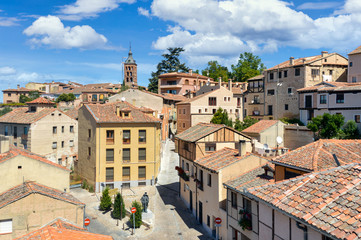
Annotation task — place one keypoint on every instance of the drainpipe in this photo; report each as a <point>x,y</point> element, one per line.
<point>304,228</point>
<point>196,192</point>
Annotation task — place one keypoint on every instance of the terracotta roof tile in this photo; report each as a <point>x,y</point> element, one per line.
<point>105,113</point>
<point>15,151</point>
<point>18,192</point>
<point>199,131</point>
<point>256,77</point>
<point>332,86</point>
<point>181,74</point>
<point>260,126</point>
<point>23,116</point>
<point>328,200</point>
<point>318,155</point>
<point>61,229</point>
<point>22,89</point>
<point>356,51</point>
<point>41,100</point>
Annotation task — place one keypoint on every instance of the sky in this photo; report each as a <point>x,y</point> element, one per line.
<point>86,41</point>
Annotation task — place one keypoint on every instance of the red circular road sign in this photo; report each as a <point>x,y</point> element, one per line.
<point>133,210</point>
<point>86,221</point>
<point>218,220</point>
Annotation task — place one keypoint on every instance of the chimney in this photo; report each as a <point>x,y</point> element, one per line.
<point>324,53</point>
<point>18,86</point>
<point>242,147</point>
<point>118,111</point>
<point>4,144</point>
<point>190,72</point>
<point>292,60</point>
<point>230,85</point>
<point>220,81</point>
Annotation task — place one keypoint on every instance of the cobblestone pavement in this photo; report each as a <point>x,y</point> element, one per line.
<point>171,219</point>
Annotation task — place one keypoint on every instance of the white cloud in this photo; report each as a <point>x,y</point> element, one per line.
<point>212,28</point>
<point>318,5</point>
<point>7,71</point>
<point>50,31</point>
<point>143,11</point>
<point>89,8</point>
<point>8,21</point>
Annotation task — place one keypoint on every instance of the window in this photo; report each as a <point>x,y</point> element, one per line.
<point>89,133</point>
<point>94,98</point>
<point>89,151</point>
<point>340,98</point>
<point>32,109</point>
<point>199,110</point>
<point>270,92</point>
<point>285,74</point>
<point>354,79</point>
<point>357,118</point>
<point>26,130</point>
<point>315,72</point>
<point>6,226</point>
<point>279,74</point>
<point>126,136</point>
<point>225,99</point>
<point>308,101</point>
<point>142,154</point>
<point>142,136</point>
<point>184,111</point>
<point>126,154</point>
<point>6,130</point>
<point>187,167</point>
<point>54,145</point>
<point>71,143</point>
<point>209,182</point>
<point>109,185</point>
<point>62,144</point>
<point>350,64</point>
<point>234,199</point>
<point>323,99</point>
<point>214,110</point>
<point>210,147</point>
<point>271,76</point>
<point>289,90</point>
<point>212,101</point>
<point>9,94</point>
<point>60,161</point>
<point>126,173</point>
<point>184,125</point>
<point>270,110</point>
<point>110,155</point>
<point>62,129</point>
<point>71,129</point>
<point>54,130</point>
<point>208,221</point>
<point>200,179</point>
<point>331,72</point>
<point>289,174</point>
<point>297,72</point>
<point>239,101</point>
<point>286,107</point>
<point>185,146</point>
<point>110,137</point>
<point>109,175</point>
<point>141,173</point>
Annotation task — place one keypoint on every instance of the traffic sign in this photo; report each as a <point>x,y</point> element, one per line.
<point>217,225</point>
<point>133,210</point>
<point>86,221</point>
<point>218,220</point>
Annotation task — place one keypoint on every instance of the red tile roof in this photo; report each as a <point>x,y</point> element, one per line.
<point>181,74</point>
<point>332,86</point>
<point>220,159</point>
<point>41,100</point>
<point>260,126</point>
<point>15,151</point>
<point>258,77</point>
<point>61,229</point>
<point>356,51</point>
<point>106,113</point>
<point>199,131</point>
<point>318,155</point>
<point>328,200</point>
<point>22,115</point>
<point>18,192</point>
<point>22,89</point>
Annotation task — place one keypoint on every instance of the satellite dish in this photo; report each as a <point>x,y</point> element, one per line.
<point>123,99</point>
<point>279,140</point>
<point>265,146</point>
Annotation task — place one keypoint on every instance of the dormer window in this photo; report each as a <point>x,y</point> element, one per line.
<point>32,108</point>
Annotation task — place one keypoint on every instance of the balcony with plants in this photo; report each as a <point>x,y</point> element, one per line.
<point>182,174</point>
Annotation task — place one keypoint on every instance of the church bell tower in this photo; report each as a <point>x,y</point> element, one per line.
<point>130,71</point>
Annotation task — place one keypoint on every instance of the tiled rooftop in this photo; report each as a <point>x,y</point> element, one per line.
<point>220,159</point>
<point>22,89</point>
<point>41,100</point>
<point>318,155</point>
<point>332,86</point>
<point>106,113</point>
<point>260,126</point>
<point>199,131</point>
<point>27,188</point>
<point>181,74</point>
<point>258,77</point>
<point>15,151</point>
<point>328,200</point>
<point>356,51</point>
<point>22,115</point>
<point>60,229</point>
<point>252,178</point>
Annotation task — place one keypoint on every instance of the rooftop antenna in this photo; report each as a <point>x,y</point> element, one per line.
<point>336,159</point>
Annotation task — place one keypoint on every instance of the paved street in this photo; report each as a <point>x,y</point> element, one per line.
<point>172,220</point>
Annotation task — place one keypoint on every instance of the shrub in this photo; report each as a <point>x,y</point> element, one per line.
<point>106,201</point>
<point>118,207</point>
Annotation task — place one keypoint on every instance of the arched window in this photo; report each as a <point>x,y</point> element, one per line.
<point>186,82</point>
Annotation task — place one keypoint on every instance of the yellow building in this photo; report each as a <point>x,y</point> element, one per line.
<point>119,145</point>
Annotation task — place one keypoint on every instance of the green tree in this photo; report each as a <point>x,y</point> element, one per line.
<point>326,126</point>
<point>215,70</point>
<point>247,122</point>
<point>24,99</point>
<point>248,66</point>
<point>32,95</point>
<point>170,63</point>
<point>287,120</point>
<point>106,201</point>
<point>5,110</point>
<point>138,215</point>
<point>350,131</point>
<point>221,117</point>
<point>118,207</point>
<point>66,97</point>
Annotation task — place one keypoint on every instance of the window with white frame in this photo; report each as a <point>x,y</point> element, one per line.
<point>6,226</point>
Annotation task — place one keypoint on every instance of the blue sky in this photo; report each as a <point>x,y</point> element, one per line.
<point>85,40</point>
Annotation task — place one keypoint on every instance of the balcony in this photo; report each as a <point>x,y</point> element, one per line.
<point>256,113</point>
<point>110,141</point>
<point>255,101</point>
<point>182,174</point>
